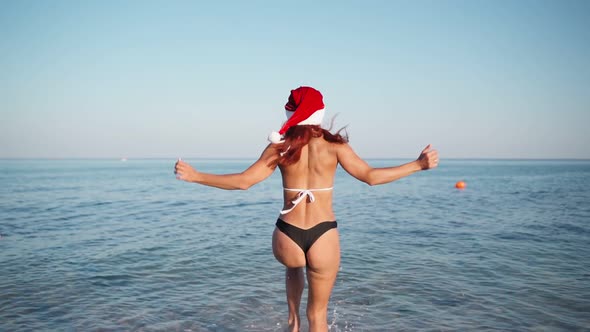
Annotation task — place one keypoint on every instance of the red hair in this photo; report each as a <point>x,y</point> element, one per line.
<point>299,136</point>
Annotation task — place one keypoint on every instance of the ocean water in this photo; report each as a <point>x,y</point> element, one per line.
<point>100,245</point>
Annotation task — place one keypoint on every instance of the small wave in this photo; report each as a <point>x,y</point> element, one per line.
<point>246,204</point>
<point>518,236</point>
<point>110,280</point>
<point>111,277</point>
<point>571,228</point>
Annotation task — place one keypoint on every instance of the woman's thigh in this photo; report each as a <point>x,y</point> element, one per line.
<point>323,260</point>
<point>286,251</point>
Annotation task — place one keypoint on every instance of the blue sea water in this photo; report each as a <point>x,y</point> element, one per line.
<point>99,245</point>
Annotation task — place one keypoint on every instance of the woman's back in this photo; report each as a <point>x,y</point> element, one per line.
<point>306,233</point>
<point>313,171</point>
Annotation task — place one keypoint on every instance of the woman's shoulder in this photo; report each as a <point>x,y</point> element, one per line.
<point>325,151</point>
<point>321,142</point>
<point>335,145</point>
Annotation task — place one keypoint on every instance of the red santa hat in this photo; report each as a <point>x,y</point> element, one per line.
<point>305,107</point>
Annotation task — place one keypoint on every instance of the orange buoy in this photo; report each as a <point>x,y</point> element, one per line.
<point>460,185</point>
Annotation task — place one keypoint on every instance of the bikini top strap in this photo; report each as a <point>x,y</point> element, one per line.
<point>301,196</point>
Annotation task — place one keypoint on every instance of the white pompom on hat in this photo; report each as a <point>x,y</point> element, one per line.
<point>304,107</point>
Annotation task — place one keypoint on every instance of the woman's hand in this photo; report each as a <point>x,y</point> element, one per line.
<point>184,171</point>
<point>428,158</point>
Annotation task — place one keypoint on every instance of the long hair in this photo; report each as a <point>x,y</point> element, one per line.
<point>299,136</point>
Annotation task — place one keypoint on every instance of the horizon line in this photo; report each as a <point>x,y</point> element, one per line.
<point>255,158</point>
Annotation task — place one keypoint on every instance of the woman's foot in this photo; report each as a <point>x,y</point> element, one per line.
<point>294,323</point>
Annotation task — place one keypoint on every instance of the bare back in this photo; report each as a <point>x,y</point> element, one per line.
<point>314,170</point>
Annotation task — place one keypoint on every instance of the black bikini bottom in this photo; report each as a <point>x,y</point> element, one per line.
<point>305,238</point>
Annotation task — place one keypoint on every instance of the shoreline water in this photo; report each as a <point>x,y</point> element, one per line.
<point>128,247</point>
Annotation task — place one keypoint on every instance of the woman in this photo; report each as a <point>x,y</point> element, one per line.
<point>306,232</point>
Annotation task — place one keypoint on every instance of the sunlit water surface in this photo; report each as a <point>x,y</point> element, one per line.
<point>97,245</point>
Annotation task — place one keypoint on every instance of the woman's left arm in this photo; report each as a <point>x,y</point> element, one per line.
<point>254,174</point>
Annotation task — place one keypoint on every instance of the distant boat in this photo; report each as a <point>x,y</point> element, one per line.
<point>123,159</point>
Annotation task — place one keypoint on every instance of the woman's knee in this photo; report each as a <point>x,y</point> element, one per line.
<point>317,315</point>
<point>294,273</point>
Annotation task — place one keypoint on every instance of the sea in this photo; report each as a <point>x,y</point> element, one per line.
<point>115,245</point>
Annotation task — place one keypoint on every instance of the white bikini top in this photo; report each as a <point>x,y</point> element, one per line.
<point>301,196</point>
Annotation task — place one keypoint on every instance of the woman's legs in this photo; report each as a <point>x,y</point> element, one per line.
<point>294,284</point>
<point>323,263</point>
<point>289,254</point>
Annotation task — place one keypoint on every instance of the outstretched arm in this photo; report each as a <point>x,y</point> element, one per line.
<point>257,172</point>
<point>358,168</point>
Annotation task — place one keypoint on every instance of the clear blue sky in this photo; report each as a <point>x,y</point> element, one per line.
<point>111,79</point>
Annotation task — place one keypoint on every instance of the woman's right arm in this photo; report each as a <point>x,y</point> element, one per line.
<point>256,173</point>
<point>359,168</point>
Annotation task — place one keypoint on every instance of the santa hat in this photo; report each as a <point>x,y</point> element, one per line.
<point>305,107</point>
